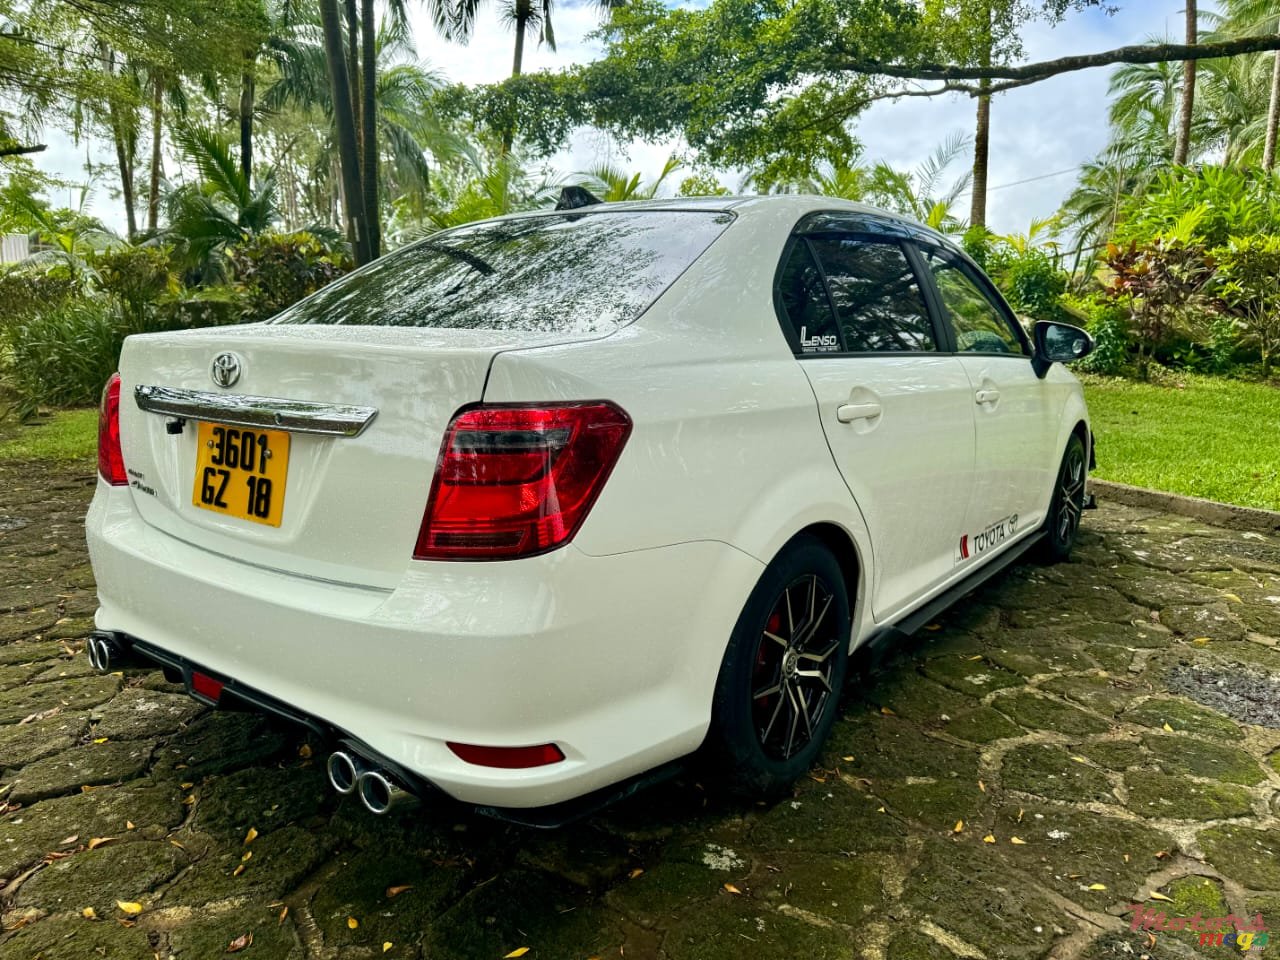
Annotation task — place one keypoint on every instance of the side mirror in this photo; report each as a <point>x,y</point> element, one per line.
<point>1058,343</point>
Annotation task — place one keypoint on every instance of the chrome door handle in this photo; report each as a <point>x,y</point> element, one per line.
<point>987,396</point>
<point>849,412</point>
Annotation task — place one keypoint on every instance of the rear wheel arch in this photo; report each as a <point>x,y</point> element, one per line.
<point>842,546</point>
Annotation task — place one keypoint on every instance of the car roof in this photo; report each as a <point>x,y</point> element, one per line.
<point>796,203</point>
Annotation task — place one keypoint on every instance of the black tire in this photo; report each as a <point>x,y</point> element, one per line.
<point>1067,506</point>
<point>779,686</point>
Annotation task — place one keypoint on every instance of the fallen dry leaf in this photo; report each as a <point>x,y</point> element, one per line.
<point>982,786</point>
<point>250,836</point>
<point>879,809</point>
<point>177,844</point>
<point>1018,841</point>
<point>989,838</point>
<point>304,751</point>
<point>352,923</point>
<point>887,712</point>
<point>396,891</point>
<point>101,740</point>
<point>1201,641</point>
<point>189,799</point>
<point>976,656</point>
<point>89,914</point>
<point>186,786</point>
<point>635,873</point>
<point>129,907</point>
<point>847,759</point>
<point>238,870</point>
<point>1079,759</point>
<point>283,913</point>
<point>387,945</point>
<point>1166,728</point>
<point>1097,886</point>
<point>958,827</point>
<point>247,855</point>
<point>732,889</point>
<point>1233,598</point>
<point>128,824</point>
<point>240,942</point>
<point>1157,895</point>
<point>69,840</point>
<point>517,952</point>
<point>97,842</point>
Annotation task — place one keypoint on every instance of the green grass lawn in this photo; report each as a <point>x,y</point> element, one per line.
<point>1202,436</point>
<point>65,435</point>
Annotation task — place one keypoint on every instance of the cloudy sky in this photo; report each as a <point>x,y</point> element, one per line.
<point>1040,133</point>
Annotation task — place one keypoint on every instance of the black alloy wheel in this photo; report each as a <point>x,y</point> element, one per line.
<point>1067,506</point>
<point>778,691</point>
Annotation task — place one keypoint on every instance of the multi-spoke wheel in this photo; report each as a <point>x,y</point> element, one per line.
<point>1067,505</point>
<point>779,685</point>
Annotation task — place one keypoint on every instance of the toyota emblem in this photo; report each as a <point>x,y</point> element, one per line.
<point>225,369</point>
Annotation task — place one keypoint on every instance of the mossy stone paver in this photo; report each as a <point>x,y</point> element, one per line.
<point>137,714</point>
<point>1250,855</point>
<point>1183,717</point>
<point>1042,713</point>
<point>1047,770</point>
<point>1033,712</point>
<point>98,878</point>
<point>91,764</point>
<point>1161,796</point>
<point>1201,758</point>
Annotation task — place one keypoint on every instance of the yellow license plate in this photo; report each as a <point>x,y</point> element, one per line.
<point>241,471</point>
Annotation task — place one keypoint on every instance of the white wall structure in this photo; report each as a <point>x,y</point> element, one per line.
<point>13,247</point>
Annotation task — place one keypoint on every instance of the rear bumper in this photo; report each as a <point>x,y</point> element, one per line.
<point>612,658</point>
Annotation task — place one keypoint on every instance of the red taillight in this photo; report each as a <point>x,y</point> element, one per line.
<point>508,758</point>
<point>110,459</point>
<point>518,480</point>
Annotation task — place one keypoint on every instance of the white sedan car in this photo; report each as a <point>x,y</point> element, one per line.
<point>532,509</point>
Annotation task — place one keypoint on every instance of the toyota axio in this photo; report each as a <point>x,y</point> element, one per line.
<point>533,509</point>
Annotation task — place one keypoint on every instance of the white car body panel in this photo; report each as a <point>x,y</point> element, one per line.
<point>609,646</point>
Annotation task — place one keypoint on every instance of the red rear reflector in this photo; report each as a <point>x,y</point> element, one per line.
<point>110,459</point>
<point>206,686</point>
<point>508,758</point>
<point>513,481</point>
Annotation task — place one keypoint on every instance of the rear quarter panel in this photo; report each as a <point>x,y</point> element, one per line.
<point>727,444</point>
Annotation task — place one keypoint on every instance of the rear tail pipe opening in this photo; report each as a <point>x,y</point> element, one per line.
<point>380,793</point>
<point>345,768</point>
<point>106,653</point>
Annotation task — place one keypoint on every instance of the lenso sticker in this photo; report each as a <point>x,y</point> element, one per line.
<point>819,342</point>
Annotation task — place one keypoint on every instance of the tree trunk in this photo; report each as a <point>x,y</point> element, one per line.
<point>369,126</point>
<point>119,134</point>
<point>247,94</point>
<point>353,62</point>
<point>981,155</point>
<point>1273,118</point>
<point>1182,144</point>
<point>157,116</point>
<point>517,64</point>
<point>344,121</point>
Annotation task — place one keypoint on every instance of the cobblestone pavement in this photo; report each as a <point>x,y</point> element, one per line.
<point>1069,741</point>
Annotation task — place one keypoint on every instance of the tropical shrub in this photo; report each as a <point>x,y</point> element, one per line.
<point>135,278</point>
<point>62,356</point>
<point>215,306</point>
<point>1248,288</point>
<point>278,269</point>
<point>26,291</point>
<point>1108,322</point>
<point>1159,283</point>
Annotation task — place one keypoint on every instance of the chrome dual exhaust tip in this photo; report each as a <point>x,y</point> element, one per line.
<point>378,790</point>
<point>380,794</point>
<point>345,769</point>
<point>105,653</point>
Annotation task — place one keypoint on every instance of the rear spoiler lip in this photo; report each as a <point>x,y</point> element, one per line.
<point>240,410</point>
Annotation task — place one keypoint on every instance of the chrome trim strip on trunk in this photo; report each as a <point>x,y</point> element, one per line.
<point>296,416</point>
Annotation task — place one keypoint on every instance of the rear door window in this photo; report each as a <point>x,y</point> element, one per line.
<point>572,272</point>
<point>802,295</point>
<point>877,297</point>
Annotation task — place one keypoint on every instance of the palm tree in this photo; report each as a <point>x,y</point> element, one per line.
<point>522,16</point>
<point>222,209</point>
<point>406,131</point>
<point>1182,143</point>
<point>611,183</point>
<point>1142,112</point>
<point>1242,18</point>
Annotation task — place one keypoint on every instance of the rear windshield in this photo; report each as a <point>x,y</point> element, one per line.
<point>563,273</point>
